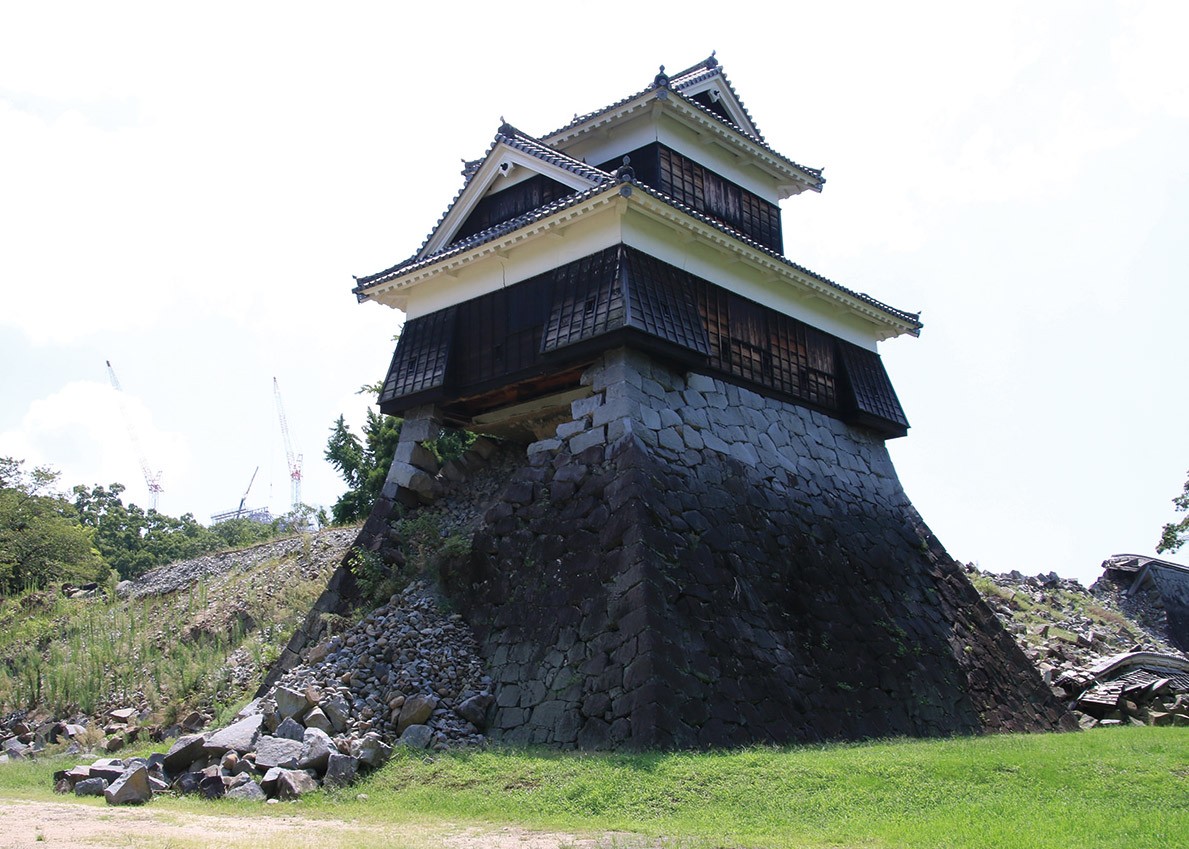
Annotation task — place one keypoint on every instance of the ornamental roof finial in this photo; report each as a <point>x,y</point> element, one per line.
<point>625,173</point>
<point>661,80</point>
<point>712,62</point>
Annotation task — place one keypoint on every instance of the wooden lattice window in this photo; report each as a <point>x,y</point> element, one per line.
<point>701,189</point>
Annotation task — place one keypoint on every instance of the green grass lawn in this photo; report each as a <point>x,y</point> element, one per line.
<point>1120,787</point>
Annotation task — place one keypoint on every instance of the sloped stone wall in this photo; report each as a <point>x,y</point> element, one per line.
<point>690,564</point>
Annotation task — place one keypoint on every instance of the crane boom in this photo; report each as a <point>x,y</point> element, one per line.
<point>293,460</point>
<point>152,481</point>
<point>244,500</point>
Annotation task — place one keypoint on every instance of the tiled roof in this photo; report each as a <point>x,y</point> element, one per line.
<point>706,69</point>
<point>688,78</point>
<point>526,143</point>
<point>913,318</point>
<point>492,233</point>
<point>515,139</point>
<point>417,261</point>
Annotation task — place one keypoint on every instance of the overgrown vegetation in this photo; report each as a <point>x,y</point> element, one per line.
<point>423,547</point>
<point>364,463</point>
<point>169,653</point>
<point>1034,616</point>
<point>49,537</point>
<point>41,538</point>
<point>132,540</point>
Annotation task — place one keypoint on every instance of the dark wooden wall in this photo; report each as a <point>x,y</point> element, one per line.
<point>623,296</point>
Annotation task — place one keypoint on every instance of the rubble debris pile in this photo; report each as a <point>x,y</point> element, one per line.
<point>1111,655</point>
<point>406,675</point>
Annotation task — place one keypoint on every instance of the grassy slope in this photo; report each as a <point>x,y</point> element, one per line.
<point>170,653</point>
<point>1114,787</point>
<point>1109,788</point>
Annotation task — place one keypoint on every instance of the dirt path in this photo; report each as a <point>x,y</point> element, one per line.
<point>66,825</point>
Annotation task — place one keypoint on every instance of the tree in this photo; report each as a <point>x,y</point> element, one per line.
<point>363,464</point>
<point>239,533</point>
<point>41,539</point>
<point>1176,534</point>
<point>133,540</point>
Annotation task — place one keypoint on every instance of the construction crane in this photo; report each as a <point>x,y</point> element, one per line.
<point>152,481</point>
<point>293,460</point>
<point>255,515</point>
<point>243,500</point>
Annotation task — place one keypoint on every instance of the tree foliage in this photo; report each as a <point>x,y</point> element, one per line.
<point>41,540</point>
<point>133,540</point>
<point>1176,534</point>
<point>363,464</point>
<point>46,538</point>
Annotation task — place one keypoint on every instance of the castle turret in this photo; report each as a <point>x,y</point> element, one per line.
<point>702,541</point>
<point>652,223</point>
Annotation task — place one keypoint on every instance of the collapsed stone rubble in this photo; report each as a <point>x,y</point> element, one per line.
<point>405,664</point>
<point>1108,654</point>
<point>407,674</point>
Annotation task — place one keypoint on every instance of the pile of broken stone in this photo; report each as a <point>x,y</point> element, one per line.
<point>23,736</point>
<point>1122,670</point>
<point>407,674</point>
<point>236,762</point>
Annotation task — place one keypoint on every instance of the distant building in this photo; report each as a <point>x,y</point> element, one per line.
<point>260,515</point>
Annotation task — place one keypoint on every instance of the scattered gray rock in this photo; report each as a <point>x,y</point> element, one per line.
<point>325,545</point>
<point>290,703</point>
<point>212,787</point>
<point>474,710</point>
<point>341,770</point>
<point>315,718</point>
<point>337,711</point>
<point>187,782</point>
<point>131,788</point>
<point>269,783</point>
<point>277,751</point>
<point>294,783</point>
<point>249,790</point>
<point>416,736</point>
<point>371,750</point>
<point>239,736</point>
<point>316,749</point>
<point>289,729</point>
<point>184,752</point>
<point>90,787</point>
<point>415,711</point>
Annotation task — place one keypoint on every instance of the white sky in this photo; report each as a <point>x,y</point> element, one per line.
<point>187,190</point>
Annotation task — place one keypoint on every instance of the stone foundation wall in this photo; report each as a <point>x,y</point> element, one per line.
<point>688,563</point>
